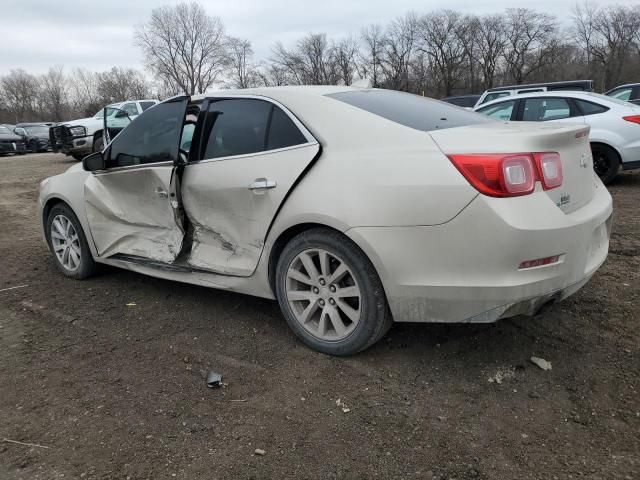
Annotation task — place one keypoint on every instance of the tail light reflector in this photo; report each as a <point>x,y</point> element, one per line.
<point>632,118</point>
<point>509,175</point>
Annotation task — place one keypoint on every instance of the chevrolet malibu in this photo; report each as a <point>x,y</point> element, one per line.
<point>353,208</point>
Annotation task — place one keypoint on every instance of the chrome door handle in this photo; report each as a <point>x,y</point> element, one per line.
<point>262,184</point>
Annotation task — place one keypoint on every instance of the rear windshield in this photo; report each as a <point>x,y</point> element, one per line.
<point>411,110</point>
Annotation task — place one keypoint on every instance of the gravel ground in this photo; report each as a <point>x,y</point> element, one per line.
<point>118,392</point>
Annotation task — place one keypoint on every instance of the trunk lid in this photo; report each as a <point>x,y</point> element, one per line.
<point>571,141</point>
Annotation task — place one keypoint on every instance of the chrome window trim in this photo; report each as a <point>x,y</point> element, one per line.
<point>254,154</point>
<point>305,131</point>
<point>132,167</point>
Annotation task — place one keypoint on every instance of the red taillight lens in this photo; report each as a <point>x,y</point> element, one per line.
<point>511,174</point>
<point>549,168</point>
<point>498,175</point>
<point>632,118</point>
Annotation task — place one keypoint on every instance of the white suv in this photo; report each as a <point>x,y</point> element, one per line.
<point>79,138</point>
<point>615,125</point>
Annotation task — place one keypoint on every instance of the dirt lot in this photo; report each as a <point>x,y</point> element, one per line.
<point>118,392</point>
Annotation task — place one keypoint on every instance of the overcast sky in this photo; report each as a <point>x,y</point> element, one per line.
<point>98,34</point>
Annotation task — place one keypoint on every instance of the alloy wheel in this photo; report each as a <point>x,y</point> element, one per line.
<point>323,294</point>
<point>65,243</point>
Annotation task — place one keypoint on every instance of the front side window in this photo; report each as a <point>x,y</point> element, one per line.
<point>499,111</point>
<point>623,94</point>
<point>153,137</point>
<point>240,126</point>
<point>543,109</point>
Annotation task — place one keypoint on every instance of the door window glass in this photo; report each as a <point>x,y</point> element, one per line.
<point>541,109</point>
<point>623,94</point>
<point>239,127</point>
<point>153,137</point>
<point>500,111</point>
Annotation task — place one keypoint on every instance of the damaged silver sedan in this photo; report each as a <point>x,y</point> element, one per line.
<point>352,207</point>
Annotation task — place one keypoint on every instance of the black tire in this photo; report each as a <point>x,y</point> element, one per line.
<point>87,266</point>
<point>32,146</point>
<point>375,319</point>
<point>98,143</point>
<point>606,162</point>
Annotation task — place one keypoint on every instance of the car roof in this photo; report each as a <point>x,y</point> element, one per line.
<point>624,85</point>
<point>538,85</point>
<point>34,124</point>
<point>564,93</point>
<point>315,90</point>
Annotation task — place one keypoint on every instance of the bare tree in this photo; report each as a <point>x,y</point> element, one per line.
<point>371,59</point>
<point>343,59</point>
<point>120,84</point>
<point>242,70</point>
<point>442,40</point>
<point>184,46</point>
<point>399,46</point>
<point>531,37</point>
<point>54,94</point>
<point>492,40</point>
<point>20,91</point>
<point>607,35</point>
<point>309,62</point>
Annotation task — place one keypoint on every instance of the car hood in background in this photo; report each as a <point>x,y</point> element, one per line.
<point>11,137</point>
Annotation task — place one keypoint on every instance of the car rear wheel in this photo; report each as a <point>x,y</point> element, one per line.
<point>330,293</point>
<point>68,243</point>
<point>605,162</point>
<point>33,146</point>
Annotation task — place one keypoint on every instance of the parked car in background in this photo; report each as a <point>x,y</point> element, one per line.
<point>465,101</point>
<point>628,93</point>
<point>615,125</point>
<point>500,92</point>
<point>10,142</point>
<point>352,207</point>
<point>8,125</point>
<point>79,138</point>
<point>34,135</point>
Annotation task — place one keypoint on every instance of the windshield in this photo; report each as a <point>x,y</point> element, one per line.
<point>411,110</point>
<point>5,130</point>
<point>110,111</point>
<point>37,129</point>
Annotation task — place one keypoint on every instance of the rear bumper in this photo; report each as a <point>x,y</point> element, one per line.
<point>467,270</point>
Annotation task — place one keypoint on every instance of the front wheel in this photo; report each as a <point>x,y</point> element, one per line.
<point>68,243</point>
<point>605,162</point>
<point>330,293</point>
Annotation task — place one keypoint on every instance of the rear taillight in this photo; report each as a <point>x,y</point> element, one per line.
<point>509,175</point>
<point>632,118</point>
<point>549,168</point>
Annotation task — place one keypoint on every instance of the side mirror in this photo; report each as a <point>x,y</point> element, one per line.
<point>93,162</point>
<point>122,114</point>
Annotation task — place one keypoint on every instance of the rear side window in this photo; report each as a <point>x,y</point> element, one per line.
<point>244,126</point>
<point>282,131</point>
<point>410,110</point>
<point>543,109</point>
<point>589,108</point>
<point>130,108</point>
<point>499,111</point>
